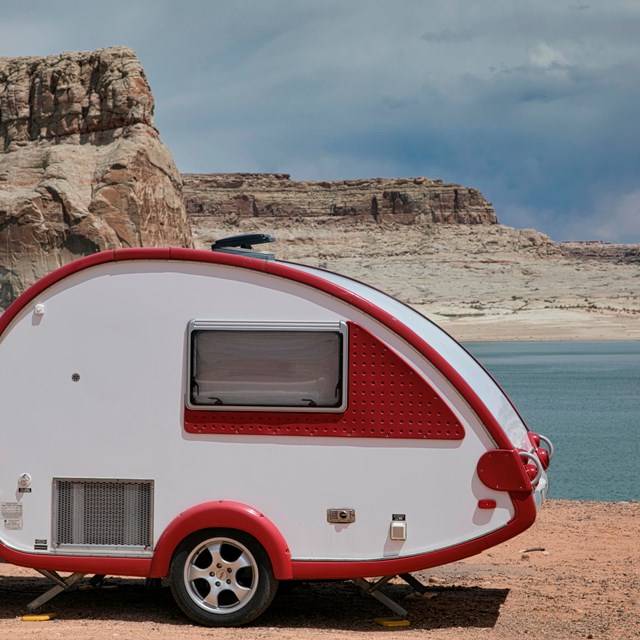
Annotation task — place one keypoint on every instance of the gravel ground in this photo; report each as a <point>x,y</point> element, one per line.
<point>574,574</point>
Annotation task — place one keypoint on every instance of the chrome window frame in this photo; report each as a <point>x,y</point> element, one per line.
<point>219,325</point>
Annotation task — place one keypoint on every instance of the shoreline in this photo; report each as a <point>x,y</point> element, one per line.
<point>539,326</point>
<point>587,502</point>
<point>545,340</point>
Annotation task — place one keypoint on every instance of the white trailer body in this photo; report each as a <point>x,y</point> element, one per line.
<point>161,402</point>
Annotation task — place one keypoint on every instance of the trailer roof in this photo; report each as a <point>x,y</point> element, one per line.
<point>449,357</point>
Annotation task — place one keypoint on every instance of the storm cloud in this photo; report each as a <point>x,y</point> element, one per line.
<point>533,103</point>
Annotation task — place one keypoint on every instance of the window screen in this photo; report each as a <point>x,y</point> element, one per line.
<point>266,368</point>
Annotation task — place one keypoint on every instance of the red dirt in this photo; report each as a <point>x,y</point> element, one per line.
<point>574,574</point>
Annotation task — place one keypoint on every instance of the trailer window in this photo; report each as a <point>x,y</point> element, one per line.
<point>266,368</point>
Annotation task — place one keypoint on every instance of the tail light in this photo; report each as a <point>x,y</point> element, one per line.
<point>544,453</point>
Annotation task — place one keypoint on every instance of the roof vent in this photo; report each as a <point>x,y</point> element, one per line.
<point>242,245</point>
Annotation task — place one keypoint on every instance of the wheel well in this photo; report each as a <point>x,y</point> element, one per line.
<point>220,531</point>
<point>223,514</point>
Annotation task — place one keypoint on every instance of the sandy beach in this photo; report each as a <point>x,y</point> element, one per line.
<point>541,325</point>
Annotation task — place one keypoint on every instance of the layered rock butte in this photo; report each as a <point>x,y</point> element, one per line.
<point>82,167</point>
<point>402,200</point>
<point>437,246</point>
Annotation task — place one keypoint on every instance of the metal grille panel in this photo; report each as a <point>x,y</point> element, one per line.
<point>103,513</point>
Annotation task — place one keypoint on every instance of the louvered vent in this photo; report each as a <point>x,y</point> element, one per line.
<point>103,513</point>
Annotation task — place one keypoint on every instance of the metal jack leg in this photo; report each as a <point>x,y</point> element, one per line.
<point>372,588</point>
<point>62,584</point>
<point>414,582</point>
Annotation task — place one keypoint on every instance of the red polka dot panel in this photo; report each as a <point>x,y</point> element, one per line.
<point>386,399</point>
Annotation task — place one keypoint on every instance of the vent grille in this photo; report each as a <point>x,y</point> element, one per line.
<point>103,513</point>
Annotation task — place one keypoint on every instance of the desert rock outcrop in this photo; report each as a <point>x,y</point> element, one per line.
<point>602,251</point>
<point>403,200</point>
<point>82,167</point>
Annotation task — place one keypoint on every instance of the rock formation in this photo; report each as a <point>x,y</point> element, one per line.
<point>602,251</point>
<point>82,167</point>
<point>403,200</point>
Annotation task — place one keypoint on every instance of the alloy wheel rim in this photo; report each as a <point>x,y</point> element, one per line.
<point>221,575</point>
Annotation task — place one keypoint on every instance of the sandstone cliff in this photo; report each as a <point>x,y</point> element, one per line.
<point>403,200</point>
<point>602,251</point>
<point>82,167</point>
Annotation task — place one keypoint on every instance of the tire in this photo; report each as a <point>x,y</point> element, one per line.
<point>222,578</point>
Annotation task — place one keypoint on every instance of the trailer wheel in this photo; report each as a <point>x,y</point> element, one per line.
<point>222,578</point>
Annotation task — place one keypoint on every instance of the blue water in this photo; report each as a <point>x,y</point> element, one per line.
<point>585,396</point>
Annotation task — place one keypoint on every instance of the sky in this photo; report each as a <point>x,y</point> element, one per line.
<point>537,104</point>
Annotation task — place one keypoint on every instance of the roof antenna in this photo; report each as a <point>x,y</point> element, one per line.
<point>243,245</point>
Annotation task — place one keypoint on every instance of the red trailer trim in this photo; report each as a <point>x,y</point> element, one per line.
<point>137,567</point>
<point>276,269</point>
<point>345,570</point>
<point>242,517</point>
<point>228,515</point>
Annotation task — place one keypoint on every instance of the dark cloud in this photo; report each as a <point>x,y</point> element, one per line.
<point>448,36</point>
<point>534,103</point>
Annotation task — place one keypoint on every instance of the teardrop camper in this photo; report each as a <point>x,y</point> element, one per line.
<point>229,421</point>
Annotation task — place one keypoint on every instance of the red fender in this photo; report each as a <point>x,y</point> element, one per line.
<point>228,515</point>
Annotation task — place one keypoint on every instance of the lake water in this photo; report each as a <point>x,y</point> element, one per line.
<point>584,396</point>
